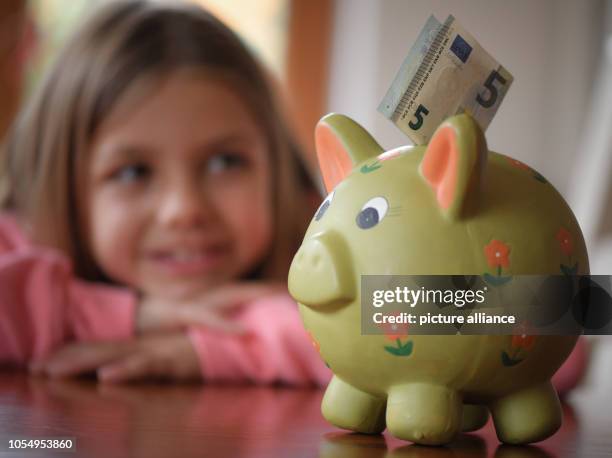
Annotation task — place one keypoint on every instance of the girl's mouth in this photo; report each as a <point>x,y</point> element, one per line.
<point>189,262</point>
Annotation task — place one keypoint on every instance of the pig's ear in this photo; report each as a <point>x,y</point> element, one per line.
<point>341,144</point>
<point>454,164</point>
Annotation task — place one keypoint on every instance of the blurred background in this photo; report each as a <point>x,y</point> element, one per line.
<point>342,55</point>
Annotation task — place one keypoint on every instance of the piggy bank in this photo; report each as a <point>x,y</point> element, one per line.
<point>447,208</point>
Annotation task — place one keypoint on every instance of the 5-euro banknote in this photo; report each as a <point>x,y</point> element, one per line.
<point>445,73</point>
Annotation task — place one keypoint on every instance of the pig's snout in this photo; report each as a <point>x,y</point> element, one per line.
<point>322,271</point>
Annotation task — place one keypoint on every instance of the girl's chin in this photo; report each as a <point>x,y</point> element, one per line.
<point>188,266</point>
<point>180,291</point>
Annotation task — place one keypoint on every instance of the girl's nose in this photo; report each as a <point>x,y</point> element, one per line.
<point>183,206</point>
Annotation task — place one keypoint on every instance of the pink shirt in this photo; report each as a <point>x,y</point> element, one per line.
<point>43,306</point>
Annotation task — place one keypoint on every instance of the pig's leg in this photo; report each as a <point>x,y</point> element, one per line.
<point>474,417</point>
<point>424,413</point>
<point>528,415</point>
<point>347,407</point>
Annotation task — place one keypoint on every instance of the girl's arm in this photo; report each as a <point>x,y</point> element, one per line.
<point>274,348</point>
<point>43,306</point>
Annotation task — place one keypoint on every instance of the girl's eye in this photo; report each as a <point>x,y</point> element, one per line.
<point>324,206</point>
<point>372,212</point>
<point>131,173</point>
<point>225,161</point>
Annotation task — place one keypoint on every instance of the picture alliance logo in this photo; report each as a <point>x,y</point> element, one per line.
<point>551,304</point>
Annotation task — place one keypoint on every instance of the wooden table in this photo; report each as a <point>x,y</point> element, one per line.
<point>155,420</point>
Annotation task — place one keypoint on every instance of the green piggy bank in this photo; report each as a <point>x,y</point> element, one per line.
<point>450,208</point>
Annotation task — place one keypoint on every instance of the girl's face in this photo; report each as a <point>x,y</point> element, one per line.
<point>178,194</point>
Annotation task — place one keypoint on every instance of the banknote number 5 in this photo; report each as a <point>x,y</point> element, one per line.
<point>490,85</point>
<point>418,114</point>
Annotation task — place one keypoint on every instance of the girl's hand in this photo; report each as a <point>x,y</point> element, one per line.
<point>167,357</point>
<point>209,310</point>
<point>171,357</point>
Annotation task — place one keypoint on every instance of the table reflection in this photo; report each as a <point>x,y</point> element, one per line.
<point>466,445</point>
<point>238,421</point>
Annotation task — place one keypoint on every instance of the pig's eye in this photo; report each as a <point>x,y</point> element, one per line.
<point>372,212</point>
<point>324,206</point>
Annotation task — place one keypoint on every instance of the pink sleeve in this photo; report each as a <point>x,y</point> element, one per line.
<point>43,306</point>
<point>275,348</point>
<point>573,369</point>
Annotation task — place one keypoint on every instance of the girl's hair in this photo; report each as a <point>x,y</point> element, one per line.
<point>47,148</point>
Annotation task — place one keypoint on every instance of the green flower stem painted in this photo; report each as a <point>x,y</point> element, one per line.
<point>508,361</point>
<point>401,349</point>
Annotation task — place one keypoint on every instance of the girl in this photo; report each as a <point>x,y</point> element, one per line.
<point>154,165</point>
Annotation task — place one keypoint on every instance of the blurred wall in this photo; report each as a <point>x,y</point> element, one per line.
<point>549,46</point>
<point>12,21</point>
